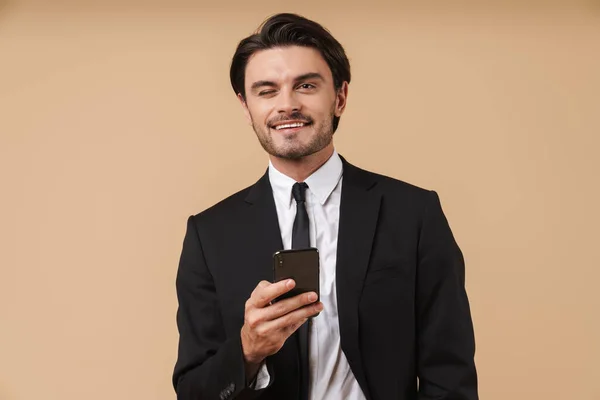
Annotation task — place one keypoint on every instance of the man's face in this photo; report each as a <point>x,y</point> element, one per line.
<point>291,101</point>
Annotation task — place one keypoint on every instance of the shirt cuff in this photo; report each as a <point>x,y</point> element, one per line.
<point>262,378</point>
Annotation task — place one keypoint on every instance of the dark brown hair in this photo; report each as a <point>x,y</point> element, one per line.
<point>282,30</point>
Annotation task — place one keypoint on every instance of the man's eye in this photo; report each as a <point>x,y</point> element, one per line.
<point>266,92</point>
<point>306,86</point>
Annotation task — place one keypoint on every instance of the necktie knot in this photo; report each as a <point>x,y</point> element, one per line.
<point>298,191</point>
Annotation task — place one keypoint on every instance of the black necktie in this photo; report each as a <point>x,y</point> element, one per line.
<point>301,240</point>
<point>300,235</point>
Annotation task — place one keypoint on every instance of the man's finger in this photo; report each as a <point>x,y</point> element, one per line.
<point>286,306</point>
<point>263,295</point>
<point>295,317</point>
<point>256,291</point>
<point>263,284</point>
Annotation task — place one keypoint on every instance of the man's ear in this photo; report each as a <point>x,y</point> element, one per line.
<point>341,99</point>
<point>245,107</point>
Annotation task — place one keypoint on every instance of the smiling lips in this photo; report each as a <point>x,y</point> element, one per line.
<point>289,125</point>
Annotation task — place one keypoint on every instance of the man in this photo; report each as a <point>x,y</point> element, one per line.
<point>393,317</point>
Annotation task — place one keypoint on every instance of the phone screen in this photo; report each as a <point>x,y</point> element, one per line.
<point>300,265</point>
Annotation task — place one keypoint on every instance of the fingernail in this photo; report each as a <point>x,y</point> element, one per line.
<point>289,284</point>
<point>320,307</point>
<point>312,297</point>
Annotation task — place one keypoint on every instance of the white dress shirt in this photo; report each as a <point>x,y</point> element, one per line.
<point>330,373</point>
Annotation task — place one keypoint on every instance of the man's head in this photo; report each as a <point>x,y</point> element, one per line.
<point>291,77</point>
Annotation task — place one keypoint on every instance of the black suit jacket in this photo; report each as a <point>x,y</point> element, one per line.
<point>403,311</point>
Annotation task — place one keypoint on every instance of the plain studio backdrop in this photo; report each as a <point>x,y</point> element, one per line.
<point>117,121</point>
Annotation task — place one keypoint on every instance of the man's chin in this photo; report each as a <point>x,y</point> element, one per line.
<point>296,152</point>
<point>292,149</point>
<point>289,150</point>
<point>291,155</point>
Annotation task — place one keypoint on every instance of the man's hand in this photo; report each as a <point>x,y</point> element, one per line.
<point>267,326</point>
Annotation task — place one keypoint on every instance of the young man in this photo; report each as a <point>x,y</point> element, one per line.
<point>393,317</point>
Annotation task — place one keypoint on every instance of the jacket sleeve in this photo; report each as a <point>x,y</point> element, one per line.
<point>445,337</point>
<point>210,365</point>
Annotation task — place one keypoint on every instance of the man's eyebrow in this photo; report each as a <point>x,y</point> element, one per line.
<point>259,84</point>
<point>308,76</point>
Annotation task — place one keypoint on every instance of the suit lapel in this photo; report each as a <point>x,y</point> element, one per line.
<point>264,237</point>
<point>359,210</point>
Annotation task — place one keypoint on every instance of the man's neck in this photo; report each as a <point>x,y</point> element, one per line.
<point>302,168</point>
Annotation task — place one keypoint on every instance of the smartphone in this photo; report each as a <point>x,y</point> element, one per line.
<point>301,265</point>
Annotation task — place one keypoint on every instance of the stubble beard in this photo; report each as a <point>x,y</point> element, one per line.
<point>291,149</point>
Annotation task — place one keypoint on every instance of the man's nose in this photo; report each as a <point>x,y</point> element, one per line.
<point>288,102</point>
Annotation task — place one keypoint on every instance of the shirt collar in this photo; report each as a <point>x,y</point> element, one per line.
<point>321,183</point>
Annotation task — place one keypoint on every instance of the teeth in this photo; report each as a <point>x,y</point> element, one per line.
<point>285,126</point>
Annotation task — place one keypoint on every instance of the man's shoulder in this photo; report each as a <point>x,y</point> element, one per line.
<point>391,185</point>
<point>226,207</point>
<point>400,197</point>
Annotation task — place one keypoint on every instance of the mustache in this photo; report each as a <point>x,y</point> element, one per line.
<point>295,116</point>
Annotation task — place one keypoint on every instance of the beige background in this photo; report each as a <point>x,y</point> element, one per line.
<point>117,121</point>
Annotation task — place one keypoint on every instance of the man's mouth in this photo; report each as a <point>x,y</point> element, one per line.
<point>289,125</point>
